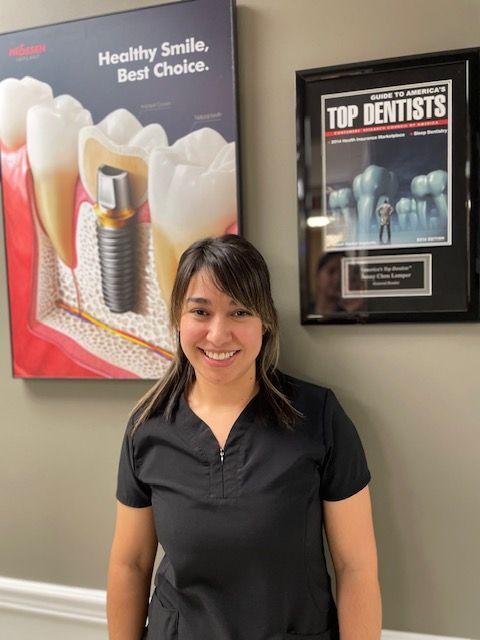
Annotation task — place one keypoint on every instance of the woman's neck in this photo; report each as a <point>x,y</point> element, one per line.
<point>325,304</point>
<point>202,393</point>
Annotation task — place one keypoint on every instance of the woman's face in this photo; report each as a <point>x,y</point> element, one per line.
<point>220,338</point>
<point>328,279</point>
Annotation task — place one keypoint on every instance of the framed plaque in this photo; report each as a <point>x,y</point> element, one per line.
<point>388,189</point>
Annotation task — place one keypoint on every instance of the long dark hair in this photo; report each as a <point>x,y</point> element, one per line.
<point>240,271</point>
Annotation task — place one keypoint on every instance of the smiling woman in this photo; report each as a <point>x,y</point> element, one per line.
<point>234,468</point>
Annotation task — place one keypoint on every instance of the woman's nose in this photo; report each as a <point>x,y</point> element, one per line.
<point>219,330</point>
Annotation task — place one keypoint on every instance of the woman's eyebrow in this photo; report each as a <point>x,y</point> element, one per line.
<point>206,301</point>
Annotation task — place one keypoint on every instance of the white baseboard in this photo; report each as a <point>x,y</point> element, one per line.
<point>39,610</point>
<point>52,600</point>
<point>56,611</point>
<point>403,635</point>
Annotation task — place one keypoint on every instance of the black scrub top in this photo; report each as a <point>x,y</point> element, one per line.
<point>242,536</point>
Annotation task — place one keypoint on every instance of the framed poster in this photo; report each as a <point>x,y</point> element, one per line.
<point>388,189</point>
<point>119,148</point>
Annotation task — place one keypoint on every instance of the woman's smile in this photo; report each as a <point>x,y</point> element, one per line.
<point>219,355</point>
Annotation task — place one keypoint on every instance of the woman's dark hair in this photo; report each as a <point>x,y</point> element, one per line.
<point>324,259</point>
<point>240,271</point>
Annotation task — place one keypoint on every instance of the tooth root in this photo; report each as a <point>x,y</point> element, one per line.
<point>55,200</point>
<point>441,205</point>
<point>365,209</point>
<point>422,212</point>
<point>420,191</point>
<point>166,261</point>
<point>414,220</point>
<point>404,209</point>
<point>437,183</point>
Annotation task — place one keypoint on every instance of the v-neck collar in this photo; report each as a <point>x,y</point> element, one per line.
<point>202,434</point>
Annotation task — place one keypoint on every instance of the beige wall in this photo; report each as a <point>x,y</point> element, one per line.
<point>412,390</point>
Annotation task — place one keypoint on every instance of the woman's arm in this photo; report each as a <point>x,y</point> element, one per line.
<point>351,540</point>
<point>130,572</point>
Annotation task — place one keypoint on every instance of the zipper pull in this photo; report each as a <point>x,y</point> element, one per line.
<point>222,453</point>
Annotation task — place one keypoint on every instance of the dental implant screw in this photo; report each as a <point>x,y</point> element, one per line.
<point>116,236</point>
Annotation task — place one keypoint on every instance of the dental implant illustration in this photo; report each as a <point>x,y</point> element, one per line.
<point>116,239</point>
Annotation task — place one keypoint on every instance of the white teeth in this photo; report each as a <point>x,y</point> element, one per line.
<point>120,141</point>
<point>52,144</point>
<point>220,356</point>
<point>192,194</point>
<point>16,98</point>
<point>199,147</point>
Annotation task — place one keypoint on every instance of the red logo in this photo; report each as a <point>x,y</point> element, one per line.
<point>24,51</point>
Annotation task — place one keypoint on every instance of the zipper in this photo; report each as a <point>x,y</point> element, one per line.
<point>222,455</point>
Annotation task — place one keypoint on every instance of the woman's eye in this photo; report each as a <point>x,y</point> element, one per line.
<point>199,312</point>
<point>241,313</point>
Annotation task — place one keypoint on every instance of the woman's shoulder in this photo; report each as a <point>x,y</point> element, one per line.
<point>141,427</point>
<point>300,387</point>
<point>306,397</point>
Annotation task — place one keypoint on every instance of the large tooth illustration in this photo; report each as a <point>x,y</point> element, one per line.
<point>192,194</point>
<point>420,191</point>
<point>406,212</point>
<point>343,200</point>
<point>52,147</point>
<point>16,98</point>
<point>370,189</point>
<point>434,184</point>
<point>119,141</point>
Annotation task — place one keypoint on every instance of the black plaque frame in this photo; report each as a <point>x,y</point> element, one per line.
<point>415,120</point>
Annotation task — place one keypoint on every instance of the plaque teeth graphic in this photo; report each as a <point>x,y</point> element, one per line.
<point>434,186</point>
<point>370,188</point>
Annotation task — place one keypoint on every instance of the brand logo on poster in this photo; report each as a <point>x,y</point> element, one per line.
<point>29,52</point>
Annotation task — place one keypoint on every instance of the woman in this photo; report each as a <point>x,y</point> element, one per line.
<point>327,284</point>
<point>328,294</point>
<point>233,467</point>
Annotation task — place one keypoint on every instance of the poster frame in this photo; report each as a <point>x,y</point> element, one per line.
<point>312,87</point>
<point>24,335</point>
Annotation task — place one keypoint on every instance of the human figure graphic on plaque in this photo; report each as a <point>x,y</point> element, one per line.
<point>384,212</point>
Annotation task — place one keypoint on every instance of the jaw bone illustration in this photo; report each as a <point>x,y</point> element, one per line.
<point>370,188</point>
<point>16,98</point>
<point>342,200</point>
<point>192,194</point>
<point>406,209</point>
<point>433,185</point>
<point>52,144</point>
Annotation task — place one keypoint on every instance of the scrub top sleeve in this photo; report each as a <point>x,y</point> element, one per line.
<point>131,491</point>
<point>344,471</point>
